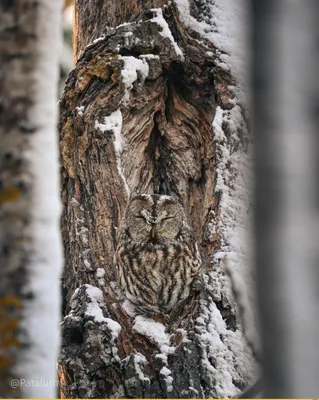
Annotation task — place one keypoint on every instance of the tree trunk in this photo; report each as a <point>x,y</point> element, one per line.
<point>30,244</point>
<point>287,143</point>
<point>151,107</point>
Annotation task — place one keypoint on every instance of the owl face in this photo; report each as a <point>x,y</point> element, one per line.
<point>154,219</point>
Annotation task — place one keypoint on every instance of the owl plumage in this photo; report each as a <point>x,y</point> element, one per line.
<point>157,257</point>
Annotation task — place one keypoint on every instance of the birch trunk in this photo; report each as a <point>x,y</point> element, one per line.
<point>30,248</point>
<point>151,107</point>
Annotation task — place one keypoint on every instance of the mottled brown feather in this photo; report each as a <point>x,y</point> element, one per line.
<point>157,257</point>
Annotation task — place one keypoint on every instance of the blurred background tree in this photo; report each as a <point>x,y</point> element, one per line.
<point>66,58</point>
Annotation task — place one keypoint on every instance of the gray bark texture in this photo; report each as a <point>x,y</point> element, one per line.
<point>169,148</point>
<point>30,262</point>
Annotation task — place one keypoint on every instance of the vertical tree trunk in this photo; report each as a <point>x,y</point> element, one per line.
<point>286,126</point>
<point>151,108</point>
<point>30,248</point>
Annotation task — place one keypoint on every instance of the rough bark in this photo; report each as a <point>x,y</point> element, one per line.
<point>92,20</point>
<point>30,248</point>
<point>170,147</point>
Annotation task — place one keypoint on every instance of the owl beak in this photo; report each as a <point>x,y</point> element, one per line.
<point>153,232</point>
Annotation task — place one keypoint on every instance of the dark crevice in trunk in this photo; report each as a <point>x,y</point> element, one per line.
<point>159,155</point>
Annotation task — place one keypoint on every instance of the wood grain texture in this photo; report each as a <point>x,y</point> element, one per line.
<point>92,17</point>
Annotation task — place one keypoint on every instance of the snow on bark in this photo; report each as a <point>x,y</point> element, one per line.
<point>224,25</point>
<point>99,350</point>
<point>132,66</point>
<point>156,332</point>
<point>113,123</point>
<point>165,30</point>
<point>94,310</point>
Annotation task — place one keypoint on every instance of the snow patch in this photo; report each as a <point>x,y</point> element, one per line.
<point>217,344</point>
<point>166,32</point>
<point>114,327</point>
<point>225,25</point>
<point>124,24</point>
<point>132,66</point>
<point>155,331</point>
<point>100,272</point>
<point>168,378</point>
<point>217,124</point>
<point>94,310</point>
<point>94,293</point>
<point>150,56</point>
<point>99,39</point>
<point>139,361</point>
<point>80,110</point>
<point>113,123</point>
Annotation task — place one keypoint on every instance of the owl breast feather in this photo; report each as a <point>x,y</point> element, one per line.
<point>155,278</point>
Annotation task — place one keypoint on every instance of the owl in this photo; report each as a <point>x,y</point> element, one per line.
<point>157,257</point>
